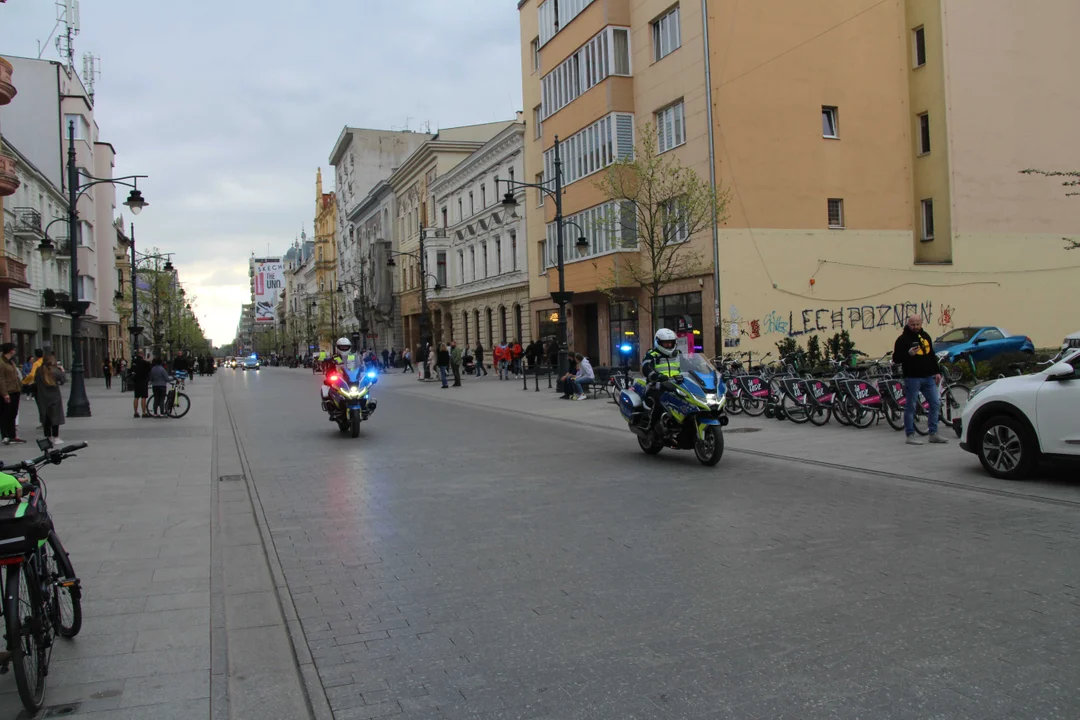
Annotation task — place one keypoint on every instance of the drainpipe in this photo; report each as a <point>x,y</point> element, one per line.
<point>718,344</point>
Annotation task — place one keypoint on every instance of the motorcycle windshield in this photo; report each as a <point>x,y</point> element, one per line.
<point>702,372</point>
<point>353,371</point>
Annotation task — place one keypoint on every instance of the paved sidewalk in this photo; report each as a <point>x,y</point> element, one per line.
<point>877,449</point>
<point>133,510</point>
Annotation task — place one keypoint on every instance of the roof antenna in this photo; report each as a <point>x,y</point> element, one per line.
<point>67,12</point>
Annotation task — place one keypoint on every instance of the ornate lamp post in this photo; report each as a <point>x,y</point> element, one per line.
<point>78,402</point>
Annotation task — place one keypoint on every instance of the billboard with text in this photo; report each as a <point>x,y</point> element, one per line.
<point>269,280</point>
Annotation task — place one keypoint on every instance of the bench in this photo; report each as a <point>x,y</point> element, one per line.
<point>602,382</point>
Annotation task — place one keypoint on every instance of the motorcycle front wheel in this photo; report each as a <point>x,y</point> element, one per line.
<point>710,448</point>
<point>354,423</point>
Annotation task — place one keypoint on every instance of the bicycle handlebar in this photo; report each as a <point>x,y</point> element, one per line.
<point>54,456</point>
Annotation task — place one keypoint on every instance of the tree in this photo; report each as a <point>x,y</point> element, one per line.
<point>1073,180</point>
<point>660,204</point>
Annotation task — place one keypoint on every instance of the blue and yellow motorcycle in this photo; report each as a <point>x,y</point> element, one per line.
<point>349,401</point>
<point>691,412</point>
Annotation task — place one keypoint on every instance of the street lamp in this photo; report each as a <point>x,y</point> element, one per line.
<point>562,298</point>
<point>78,402</point>
<point>135,329</point>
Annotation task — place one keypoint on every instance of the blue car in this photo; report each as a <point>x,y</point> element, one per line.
<point>984,343</point>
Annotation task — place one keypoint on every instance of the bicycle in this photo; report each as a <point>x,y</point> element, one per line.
<point>42,595</point>
<point>177,403</point>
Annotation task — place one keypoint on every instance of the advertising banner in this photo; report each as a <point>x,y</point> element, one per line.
<point>269,279</point>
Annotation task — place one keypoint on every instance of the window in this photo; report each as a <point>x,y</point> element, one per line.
<point>444,216</point>
<point>511,171</point>
<point>82,128</point>
<point>534,46</point>
<point>538,122</point>
<point>670,127</point>
<point>539,193</point>
<point>502,323</point>
<point>594,148</point>
<point>85,288</point>
<point>513,251</point>
<point>484,257</point>
<point>671,308</point>
<point>919,46</point>
<point>483,195</point>
<point>554,15</point>
<point>541,251</point>
<point>675,225</point>
<point>440,268</point>
<point>607,53</point>
<point>991,334</point>
<point>927,220</point>
<point>498,256</point>
<point>924,134</point>
<point>461,266</point>
<point>86,234</point>
<point>666,36</point>
<point>603,227</point>
<point>472,207</point>
<point>460,214</point>
<point>472,261</point>
<point>829,127</point>
<point>836,213</point>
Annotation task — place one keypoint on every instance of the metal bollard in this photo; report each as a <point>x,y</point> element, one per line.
<point>524,378</point>
<point>536,374</point>
<point>549,377</point>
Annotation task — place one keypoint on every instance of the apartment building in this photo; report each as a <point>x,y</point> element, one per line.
<point>871,152</point>
<point>412,185</point>
<point>485,285</point>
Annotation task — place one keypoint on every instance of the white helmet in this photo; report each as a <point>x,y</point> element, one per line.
<point>344,345</point>
<point>664,342</point>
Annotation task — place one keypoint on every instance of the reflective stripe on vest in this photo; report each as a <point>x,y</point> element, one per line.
<point>668,367</point>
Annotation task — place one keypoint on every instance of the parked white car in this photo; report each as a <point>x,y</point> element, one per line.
<point>1011,423</point>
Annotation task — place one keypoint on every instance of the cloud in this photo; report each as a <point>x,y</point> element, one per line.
<point>230,107</point>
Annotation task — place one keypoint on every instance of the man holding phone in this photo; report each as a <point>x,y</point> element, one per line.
<point>914,352</point>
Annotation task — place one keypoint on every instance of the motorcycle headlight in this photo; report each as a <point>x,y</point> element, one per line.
<point>714,400</point>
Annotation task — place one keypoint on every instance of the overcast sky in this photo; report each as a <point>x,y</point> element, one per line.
<point>230,106</point>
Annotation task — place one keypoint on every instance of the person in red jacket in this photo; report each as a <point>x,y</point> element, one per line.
<point>515,358</point>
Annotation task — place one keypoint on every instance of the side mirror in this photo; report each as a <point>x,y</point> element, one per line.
<point>1061,371</point>
<point>979,341</point>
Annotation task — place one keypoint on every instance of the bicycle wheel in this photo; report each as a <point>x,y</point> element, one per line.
<point>839,411</point>
<point>733,406</point>
<point>953,402</point>
<point>895,417</point>
<point>860,416</point>
<point>180,406</point>
<point>66,593</point>
<point>753,406</point>
<point>26,634</point>
<point>922,420</point>
<point>819,415</point>
<point>796,412</point>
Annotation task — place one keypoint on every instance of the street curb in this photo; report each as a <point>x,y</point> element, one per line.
<point>314,694</point>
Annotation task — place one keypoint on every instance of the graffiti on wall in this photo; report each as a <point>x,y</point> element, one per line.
<point>808,321</point>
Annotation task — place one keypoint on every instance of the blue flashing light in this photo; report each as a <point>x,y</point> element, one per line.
<point>626,348</point>
<point>372,374</point>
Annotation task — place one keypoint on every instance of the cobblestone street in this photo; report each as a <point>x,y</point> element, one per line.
<point>459,561</point>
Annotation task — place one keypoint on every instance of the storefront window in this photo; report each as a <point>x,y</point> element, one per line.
<point>623,320</point>
<point>672,311</point>
<point>548,323</point>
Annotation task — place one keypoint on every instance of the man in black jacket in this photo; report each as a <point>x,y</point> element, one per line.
<point>914,352</point>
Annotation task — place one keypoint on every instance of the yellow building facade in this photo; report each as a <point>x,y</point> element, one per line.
<point>870,169</point>
<point>329,309</point>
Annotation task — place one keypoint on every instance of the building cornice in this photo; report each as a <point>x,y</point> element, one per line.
<point>374,197</point>
<point>427,152</point>
<point>507,144</point>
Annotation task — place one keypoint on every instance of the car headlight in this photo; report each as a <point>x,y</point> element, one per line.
<point>979,388</point>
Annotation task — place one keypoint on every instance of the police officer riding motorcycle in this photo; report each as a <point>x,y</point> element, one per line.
<point>346,392</point>
<point>673,408</point>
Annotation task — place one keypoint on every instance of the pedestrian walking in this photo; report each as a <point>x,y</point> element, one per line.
<point>106,371</point>
<point>429,364</point>
<point>442,358</point>
<point>502,360</point>
<point>47,381</point>
<point>480,359</point>
<point>406,358</point>
<point>914,352</point>
<point>140,382</point>
<point>455,362</point>
<point>159,381</point>
<point>121,370</point>
<point>11,391</point>
<point>385,359</point>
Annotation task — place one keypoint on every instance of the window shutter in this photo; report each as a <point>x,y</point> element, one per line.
<point>624,134</point>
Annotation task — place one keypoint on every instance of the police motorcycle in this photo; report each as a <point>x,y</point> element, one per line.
<point>347,389</point>
<point>691,409</point>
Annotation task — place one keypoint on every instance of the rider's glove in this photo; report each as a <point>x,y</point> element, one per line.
<point>9,485</point>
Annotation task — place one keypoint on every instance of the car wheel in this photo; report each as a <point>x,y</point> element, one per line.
<point>1005,449</point>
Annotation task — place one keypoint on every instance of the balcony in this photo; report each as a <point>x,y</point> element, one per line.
<point>7,90</point>
<point>9,178</point>
<point>12,272</point>
<point>27,224</point>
